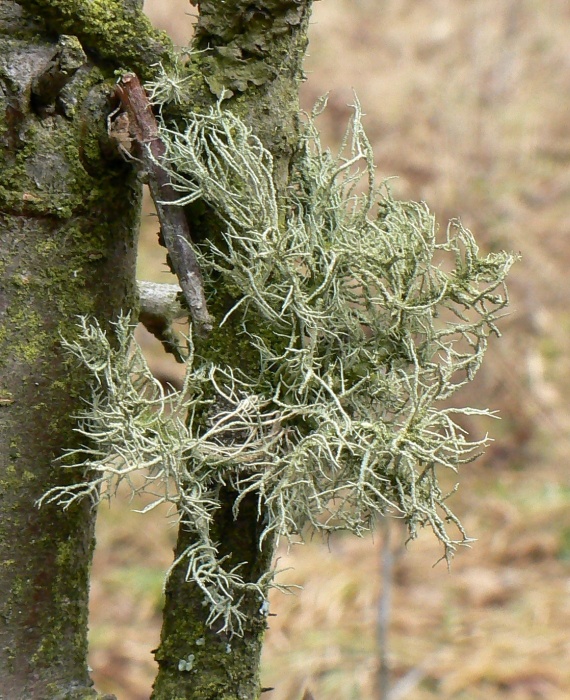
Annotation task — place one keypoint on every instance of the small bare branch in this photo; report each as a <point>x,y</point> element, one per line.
<point>159,307</point>
<point>150,150</point>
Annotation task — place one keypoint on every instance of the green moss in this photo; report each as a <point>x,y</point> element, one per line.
<point>6,397</point>
<point>221,668</point>
<point>54,691</point>
<point>119,32</point>
<point>68,592</point>
<point>255,46</point>
<point>63,180</point>
<point>28,339</point>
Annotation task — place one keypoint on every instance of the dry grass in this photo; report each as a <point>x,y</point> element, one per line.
<point>467,106</point>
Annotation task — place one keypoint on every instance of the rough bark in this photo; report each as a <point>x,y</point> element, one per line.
<point>251,56</point>
<point>67,247</point>
<point>114,32</point>
<point>223,667</point>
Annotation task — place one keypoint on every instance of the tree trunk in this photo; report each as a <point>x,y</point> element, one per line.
<point>67,247</point>
<point>255,62</point>
<point>222,666</point>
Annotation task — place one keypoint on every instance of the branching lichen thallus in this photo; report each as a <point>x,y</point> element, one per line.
<point>363,323</point>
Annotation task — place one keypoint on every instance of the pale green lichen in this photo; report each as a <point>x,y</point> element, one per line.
<point>361,323</point>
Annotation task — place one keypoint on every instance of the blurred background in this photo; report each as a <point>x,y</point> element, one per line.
<point>467,105</point>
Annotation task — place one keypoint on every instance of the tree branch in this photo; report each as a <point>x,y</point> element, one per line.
<point>160,300</point>
<point>173,223</point>
<point>159,307</point>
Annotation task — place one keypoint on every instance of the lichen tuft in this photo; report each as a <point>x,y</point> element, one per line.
<point>362,323</point>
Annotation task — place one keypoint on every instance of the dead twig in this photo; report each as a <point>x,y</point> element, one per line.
<point>149,149</point>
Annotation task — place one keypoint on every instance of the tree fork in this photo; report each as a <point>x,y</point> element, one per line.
<point>252,60</point>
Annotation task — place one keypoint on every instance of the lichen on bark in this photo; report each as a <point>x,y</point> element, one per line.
<point>251,57</point>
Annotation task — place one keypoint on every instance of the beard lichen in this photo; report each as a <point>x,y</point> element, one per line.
<point>362,324</point>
